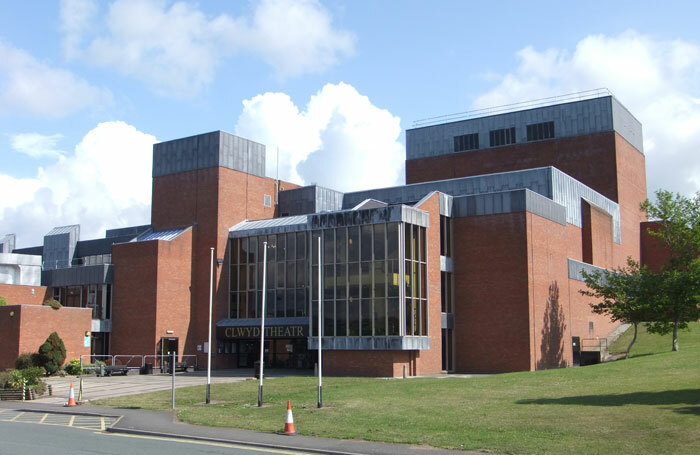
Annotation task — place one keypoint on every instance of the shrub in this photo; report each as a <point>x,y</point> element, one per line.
<point>32,375</point>
<point>53,354</point>
<point>73,367</point>
<point>53,303</point>
<point>3,301</point>
<point>14,380</point>
<point>27,360</point>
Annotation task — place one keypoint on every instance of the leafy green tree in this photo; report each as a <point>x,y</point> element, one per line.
<point>53,353</point>
<point>627,294</point>
<point>3,301</point>
<point>679,287</point>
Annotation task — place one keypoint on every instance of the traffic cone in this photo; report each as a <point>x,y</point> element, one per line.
<point>289,423</point>
<point>71,396</point>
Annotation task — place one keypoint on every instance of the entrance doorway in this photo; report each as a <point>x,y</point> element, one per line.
<point>279,353</point>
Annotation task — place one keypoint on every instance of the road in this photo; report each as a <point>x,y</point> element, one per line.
<point>20,437</point>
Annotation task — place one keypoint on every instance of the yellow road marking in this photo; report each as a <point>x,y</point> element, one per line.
<point>210,443</point>
<point>43,418</point>
<point>102,423</point>
<point>72,419</point>
<point>13,419</point>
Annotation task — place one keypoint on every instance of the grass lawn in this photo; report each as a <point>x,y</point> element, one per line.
<point>647,404</point>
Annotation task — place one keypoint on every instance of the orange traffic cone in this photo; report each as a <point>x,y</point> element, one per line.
<point>289,423</point>
<point>71,396</point>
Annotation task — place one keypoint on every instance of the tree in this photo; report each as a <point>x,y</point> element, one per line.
<point>679,287</point>
<point>53,353</point>
<point>626,294</point>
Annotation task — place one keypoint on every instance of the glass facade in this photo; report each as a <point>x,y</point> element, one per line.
<point>362,269</point>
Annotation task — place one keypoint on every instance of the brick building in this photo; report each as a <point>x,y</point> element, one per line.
<point>474,265</point>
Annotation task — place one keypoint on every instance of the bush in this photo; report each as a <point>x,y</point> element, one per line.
<point>33,375</point>
<point>14,380</point>
<point>73,367</point>
<point>27,360</point>
<point>3,301</point>
<point>53,303</point>
<point>53,354</point>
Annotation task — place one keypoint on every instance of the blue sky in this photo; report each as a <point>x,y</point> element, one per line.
<point>87,87</point>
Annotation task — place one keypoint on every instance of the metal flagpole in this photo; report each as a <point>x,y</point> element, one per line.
<point>211,298</point>
<point>262,324</point>
<point>320,357</point>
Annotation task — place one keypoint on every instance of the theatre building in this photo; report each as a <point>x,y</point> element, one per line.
<point>474,265</point>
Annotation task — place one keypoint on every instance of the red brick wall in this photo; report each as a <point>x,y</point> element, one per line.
<point>30,325</point>
<point>173,296</point>
<point>654,253</point>
<point>134,295</point>
<point>430,361</point>
<point>491,301</point>
<point>597,235</point>
<point>366,363</point>
<point>589,159</point>
<point>22,295</point>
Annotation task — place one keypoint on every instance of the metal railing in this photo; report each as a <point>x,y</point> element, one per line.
<point>137,361</point>
<point>512,107</point>
<point>594,344</point>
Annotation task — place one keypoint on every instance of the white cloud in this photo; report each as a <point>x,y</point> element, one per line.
<point>657,80</point>
<point>340,140</point>
<point>105,183</point>
<point>176,48</point>
<point>33,87</point>
<point>36,145</point>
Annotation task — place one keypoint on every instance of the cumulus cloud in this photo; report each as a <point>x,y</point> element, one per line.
<point>176,48</point>
<point>657,80</point>
<point>36,145</point>
<point>104,183</point>
<point>30,86</point>
<point>339,140</point>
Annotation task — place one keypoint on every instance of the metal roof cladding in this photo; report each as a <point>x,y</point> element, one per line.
<point>167,234</point>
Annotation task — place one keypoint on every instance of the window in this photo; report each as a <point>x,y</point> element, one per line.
<point>466,142</point>
<point>540,131</point>
<point>503,136</point>
<point>267,200</point>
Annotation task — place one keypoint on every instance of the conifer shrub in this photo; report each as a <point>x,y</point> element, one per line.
<point>53,354</point>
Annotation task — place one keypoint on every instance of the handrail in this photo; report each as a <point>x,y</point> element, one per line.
<point>512,107</point>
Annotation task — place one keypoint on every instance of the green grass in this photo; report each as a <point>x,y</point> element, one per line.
<point>645,405</point>
<point>649,343</point>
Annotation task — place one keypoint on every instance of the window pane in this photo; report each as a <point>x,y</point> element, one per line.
<point>234,278</point>
<point>261,247</point>
<point>270,304</point>
<point>281,247</point>
<point>423,294</point>
<point>392,241</point>
<point>251,276</point>
<point>366,241</point>
<point>315,235</point>
<point>314,318</point>
<point>314,282</point>
<point>393,278</point>
<point>353,244</point>
<point>301,303</point>
<point>271,248</point>
<point>301,274</point>
<point>289,304</point>
<point>424,317</point>
<point>328,282</point>
<point>423,257</point>
<point>379,242</point>
<point>280,275</point>
<point>301,245</point>
<point>279,304</point>
<point>291,275</point>
<point>340,245</point>
<point>393,316</point>
<point>366,317</point>
<point>235,253</point>
<point>340,318</point>
<point>340,277</point>
<point>408,274</point>
<point>409,317</point>
<point>379,317</point>
<point>366,276</point>
<point>328,246</point>
<point>448,287</point>
<point>354,280</point>
<point>251,304</point>
<point>243,258</point>
<point>271,275</point>
<point>380,279</point>
<point>291,245</point>
<point>407,241</point>
<point>448,237</point>
<point>328,318</point>
<point>233,306</point>
<point>353,317</point>
<point>242,305</point>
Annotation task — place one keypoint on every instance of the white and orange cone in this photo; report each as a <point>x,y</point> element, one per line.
<point>289,423</point>
<point>71,396</point>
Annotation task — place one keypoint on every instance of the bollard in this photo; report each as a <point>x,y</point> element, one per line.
<point>404,371</point>
<point>315,369</point>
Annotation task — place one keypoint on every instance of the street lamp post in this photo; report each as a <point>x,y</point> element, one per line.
<point>211,298</point>
<point>262,324</point>
<point>320,357</point>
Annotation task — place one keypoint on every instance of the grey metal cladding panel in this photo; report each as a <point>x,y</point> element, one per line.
<point>627,125</point>
<point>370,343</point>
<point>545,207</point>
<point>537,180</point>
<point>569,192</point>
<point>78,276</point>
<point>445,204</point>
<point>298,201</point>
<point>576,267</point>
<point>570,119</point>
<point>131,230</point>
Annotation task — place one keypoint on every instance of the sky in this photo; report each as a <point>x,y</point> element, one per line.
<point>87,87</point>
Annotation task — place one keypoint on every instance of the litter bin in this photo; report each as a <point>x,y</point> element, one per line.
<point>256,369</point>
<point>147,368</point>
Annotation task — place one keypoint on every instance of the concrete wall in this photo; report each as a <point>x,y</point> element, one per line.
<point>23,269</point>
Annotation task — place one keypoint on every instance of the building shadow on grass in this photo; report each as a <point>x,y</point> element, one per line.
<point>689,397</point>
